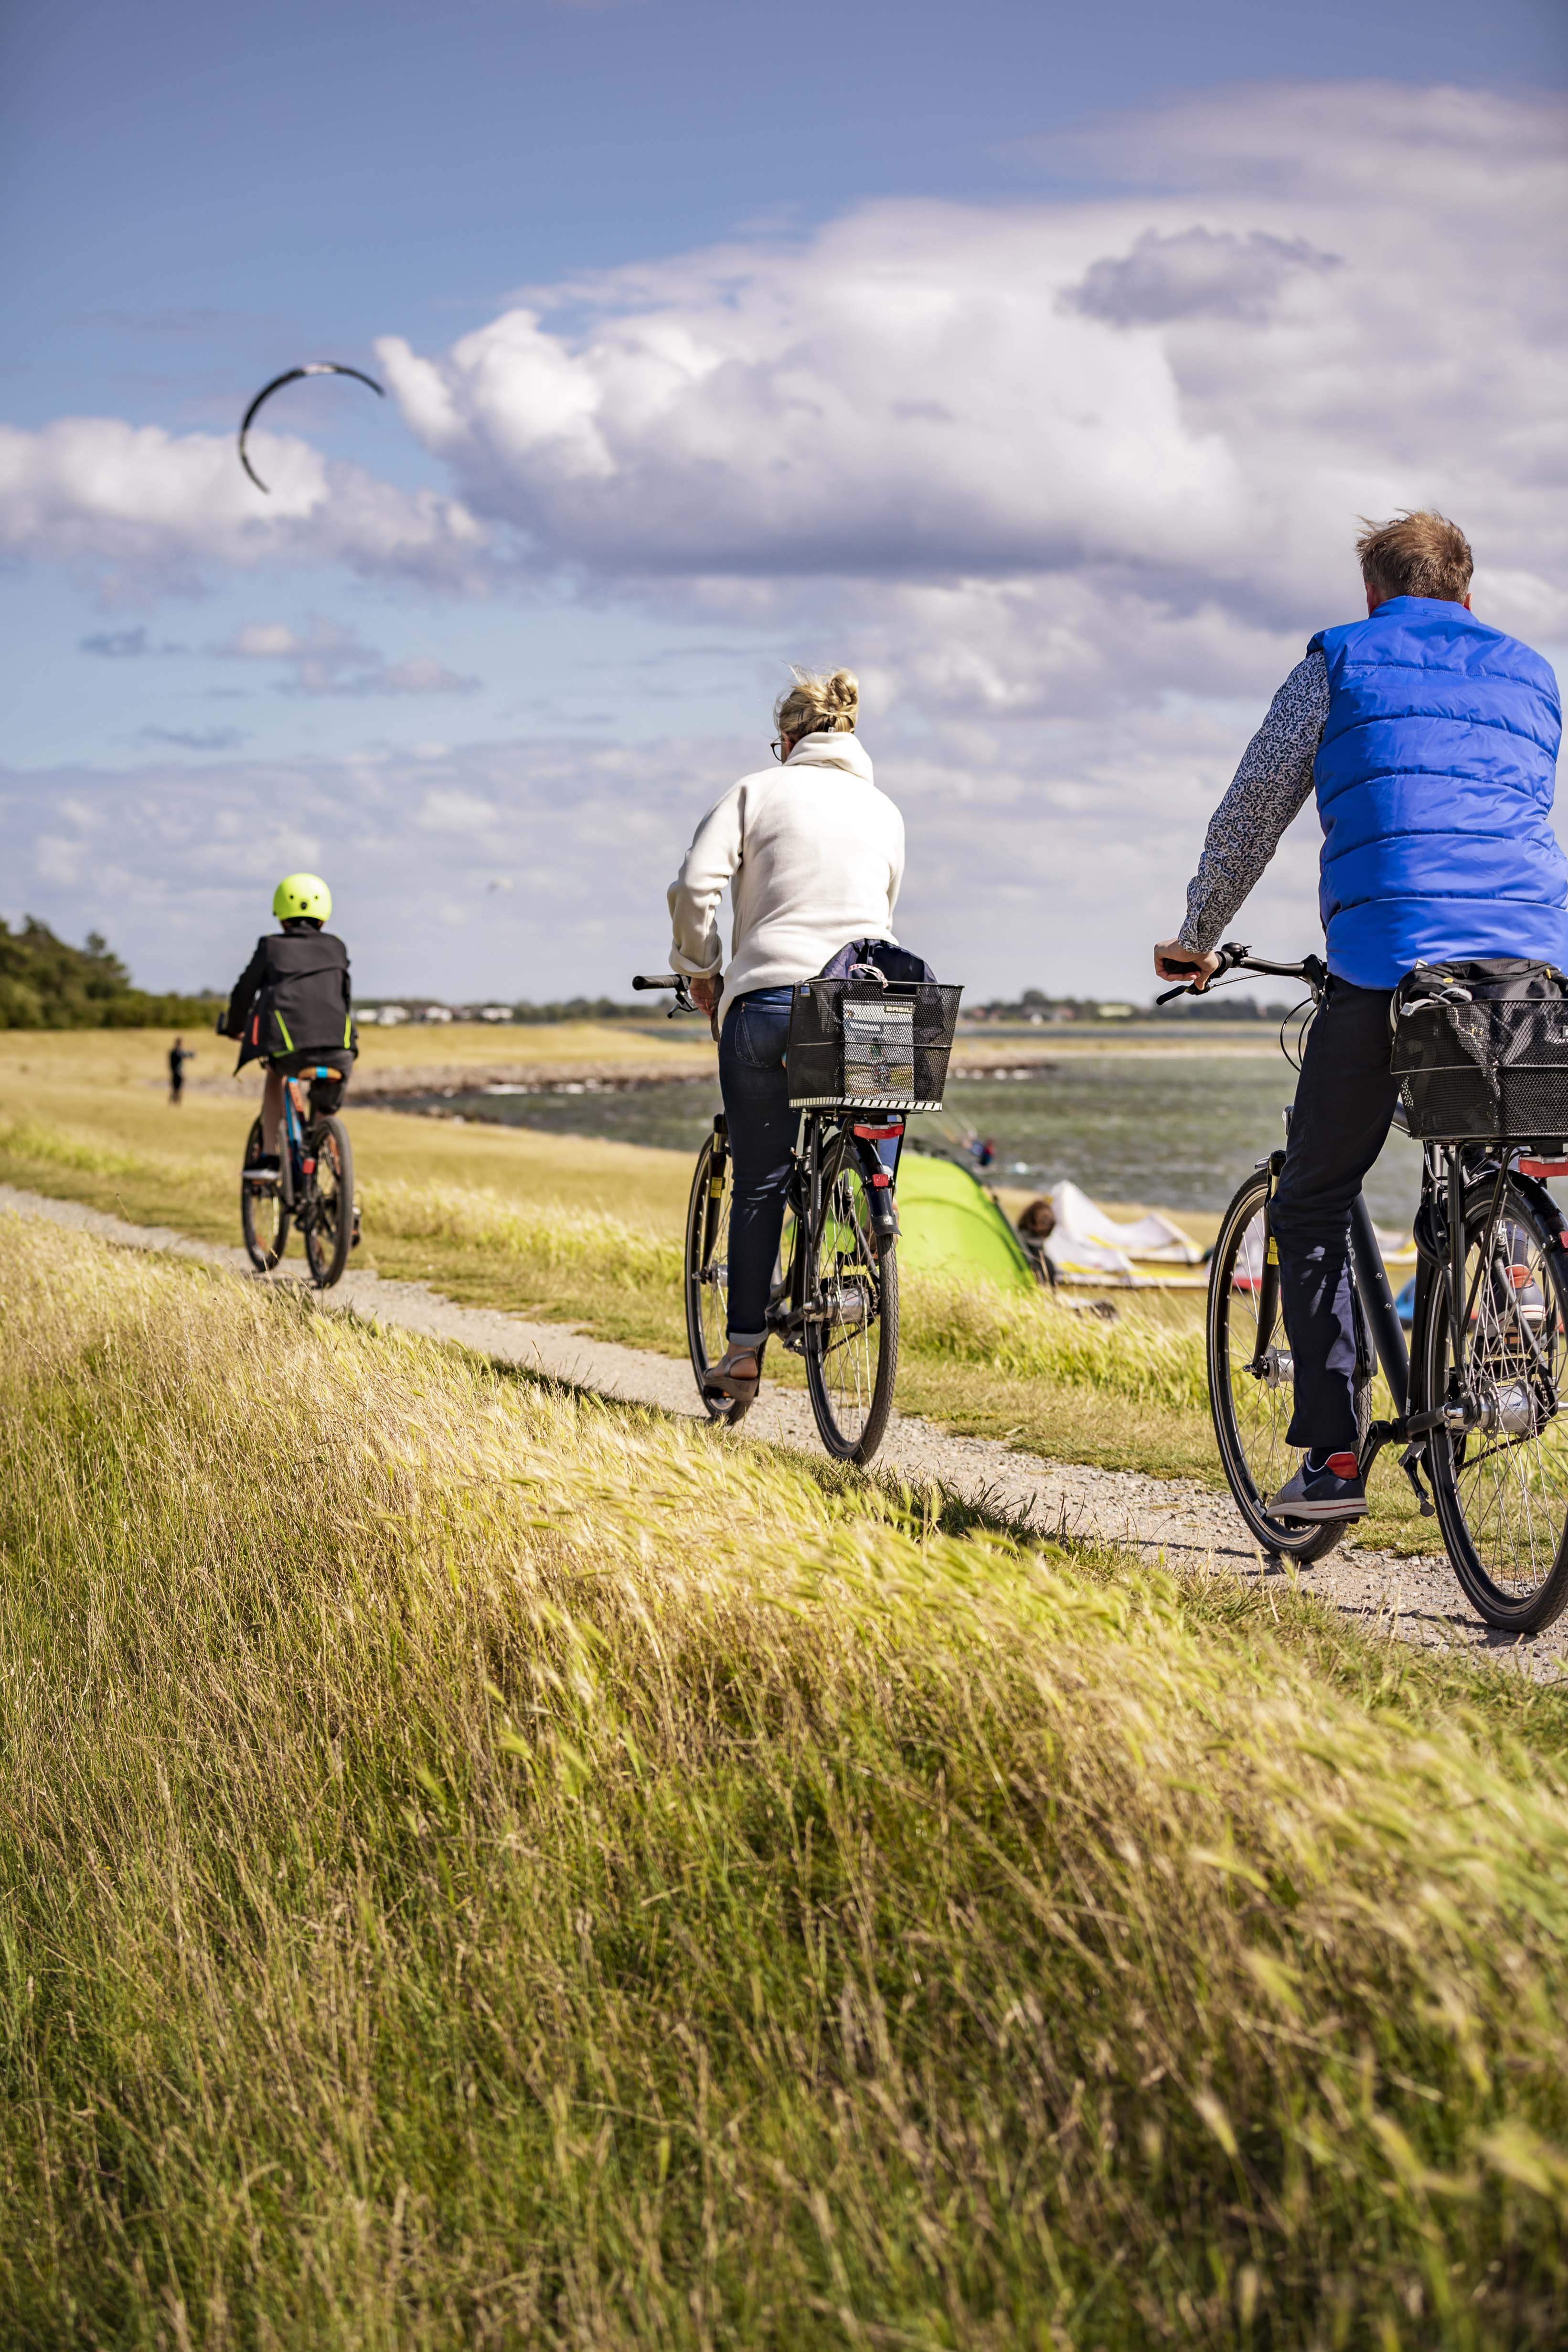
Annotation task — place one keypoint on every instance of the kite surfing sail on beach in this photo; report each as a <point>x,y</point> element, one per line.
<point>292,375</point>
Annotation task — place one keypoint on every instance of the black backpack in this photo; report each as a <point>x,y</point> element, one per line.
<point>303,1005</point>
<point>899,965</point>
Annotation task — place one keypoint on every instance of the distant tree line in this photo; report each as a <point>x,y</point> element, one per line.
<point>46,984</point>
<point>1035,1005</point>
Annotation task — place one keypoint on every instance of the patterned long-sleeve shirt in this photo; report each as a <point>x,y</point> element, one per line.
<point>1271,786</point>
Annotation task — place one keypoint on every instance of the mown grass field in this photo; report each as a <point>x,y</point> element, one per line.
<point>590,1232</point>
<point>482,1867</point>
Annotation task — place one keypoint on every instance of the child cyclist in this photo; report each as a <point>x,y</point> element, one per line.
<point>292,1006</point>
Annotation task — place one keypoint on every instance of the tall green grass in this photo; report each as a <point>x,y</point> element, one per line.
<point>479,1866</point>
<point>549,1237</point>
<point>559,1247</point>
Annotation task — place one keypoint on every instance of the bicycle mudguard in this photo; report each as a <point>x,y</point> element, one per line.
<point>879,1185</point>
<point>1268,1275</point>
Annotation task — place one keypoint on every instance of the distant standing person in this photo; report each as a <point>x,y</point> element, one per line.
<point>179,1054</point>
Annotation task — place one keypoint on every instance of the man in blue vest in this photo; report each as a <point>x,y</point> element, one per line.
<point>1431,741</point>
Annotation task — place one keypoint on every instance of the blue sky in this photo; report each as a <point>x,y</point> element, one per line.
<point>1035,359</point>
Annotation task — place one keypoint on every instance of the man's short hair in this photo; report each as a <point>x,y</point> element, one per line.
<point>1419,555</point>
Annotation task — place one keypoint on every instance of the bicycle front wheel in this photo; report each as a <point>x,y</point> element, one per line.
<point>1501,1486</point>
<point>851,1336</point>
<point>707,1271</point>
<point>328,1217</point>
<point>1251,1379</point>
<point>263,1219</point>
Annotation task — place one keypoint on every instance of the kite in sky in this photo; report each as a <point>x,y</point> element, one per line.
<point>292,375</point>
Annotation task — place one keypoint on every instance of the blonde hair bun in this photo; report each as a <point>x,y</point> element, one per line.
<point>819,706</point>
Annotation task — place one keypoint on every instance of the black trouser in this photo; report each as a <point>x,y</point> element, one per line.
<point>1340,1124</point>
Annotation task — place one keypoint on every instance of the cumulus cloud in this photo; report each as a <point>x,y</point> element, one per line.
<point>327,658</point>
<point>1353,303</point>
<point>1202,273</point>
<point>145,510</point>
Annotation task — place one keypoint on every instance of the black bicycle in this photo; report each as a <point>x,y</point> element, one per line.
<point>1478,1397</point>
<point>312,1186</point>
<point>835,1290</point>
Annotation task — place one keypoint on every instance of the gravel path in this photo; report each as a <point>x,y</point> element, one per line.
<point>1192,1526</point>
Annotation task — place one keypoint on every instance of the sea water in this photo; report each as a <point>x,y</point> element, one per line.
<point>1172,1130</point>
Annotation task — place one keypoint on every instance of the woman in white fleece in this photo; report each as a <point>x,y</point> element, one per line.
<point>814,855</point>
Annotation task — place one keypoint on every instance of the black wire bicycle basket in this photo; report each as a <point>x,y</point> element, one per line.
<point>1480,1051</point>
<point>856,1045</point>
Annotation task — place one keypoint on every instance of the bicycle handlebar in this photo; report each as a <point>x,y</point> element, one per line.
<point>674,979</point>
<point>1234,956</point>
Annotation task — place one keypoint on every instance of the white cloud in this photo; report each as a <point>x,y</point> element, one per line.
<point>148,510</point>
<point>1178,400</point>
<point>327,658</point>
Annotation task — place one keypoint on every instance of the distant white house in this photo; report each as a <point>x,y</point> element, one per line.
<point>436,1012</point>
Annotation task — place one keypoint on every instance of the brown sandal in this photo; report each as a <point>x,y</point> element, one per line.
<point>725,1379</point>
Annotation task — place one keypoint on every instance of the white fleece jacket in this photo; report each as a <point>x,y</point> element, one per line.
<point>815,854</point>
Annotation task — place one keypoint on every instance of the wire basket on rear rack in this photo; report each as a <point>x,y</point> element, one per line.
<point>860,1045</point>
<point>1484,1068</point>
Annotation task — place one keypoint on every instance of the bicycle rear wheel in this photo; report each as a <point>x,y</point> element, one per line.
<point>1251,1380</point>
<point>1501,1488</point>
<point>851,1341</point>
<point>263,1220</point>
<point>707,1270</point>
<point>328,1220</point>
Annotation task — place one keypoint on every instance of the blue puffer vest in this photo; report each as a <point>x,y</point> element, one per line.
<point>1435,780</point>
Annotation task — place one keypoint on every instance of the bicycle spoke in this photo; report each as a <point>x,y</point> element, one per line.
<point>1506,1479</point>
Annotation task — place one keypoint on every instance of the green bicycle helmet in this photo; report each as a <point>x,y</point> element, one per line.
<point>302,894</point>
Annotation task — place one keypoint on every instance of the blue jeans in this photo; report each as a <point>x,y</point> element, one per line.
<point>762,1129</point>
<point>1344,1106</point>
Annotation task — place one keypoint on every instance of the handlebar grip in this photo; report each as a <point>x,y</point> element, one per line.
<point>640,980</point>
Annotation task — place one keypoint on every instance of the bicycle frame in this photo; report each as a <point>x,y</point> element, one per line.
<point>1443,1182</point>
<point>816,1129</point>
<point>293,1138</point>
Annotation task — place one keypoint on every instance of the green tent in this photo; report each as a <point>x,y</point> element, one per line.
<point>948,1224</point>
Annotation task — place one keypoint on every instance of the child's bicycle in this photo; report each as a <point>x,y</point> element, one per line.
<point>1477,1396</point>
<point>312,1186</point>
<point>835,1293</point>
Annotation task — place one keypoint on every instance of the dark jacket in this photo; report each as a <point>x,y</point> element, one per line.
<point>293,997</point>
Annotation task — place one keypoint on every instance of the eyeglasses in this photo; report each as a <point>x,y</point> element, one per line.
<point>776,747</point>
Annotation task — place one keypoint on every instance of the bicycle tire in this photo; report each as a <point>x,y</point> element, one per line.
<point>1250,1421</point>
<point>327,1224</point>
<point>851,1396</point>
<point>708,1276</point>
<point>264,1221</point>
<point>1487,1521</point>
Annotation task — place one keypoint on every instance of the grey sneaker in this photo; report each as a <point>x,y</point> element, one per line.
<point>1335,1492</point>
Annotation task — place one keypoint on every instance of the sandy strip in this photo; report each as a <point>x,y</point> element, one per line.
<point>1415,1599</point>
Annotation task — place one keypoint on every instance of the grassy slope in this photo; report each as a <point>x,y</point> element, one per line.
<point>482,1866</point>
<point>1127,1401</point>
